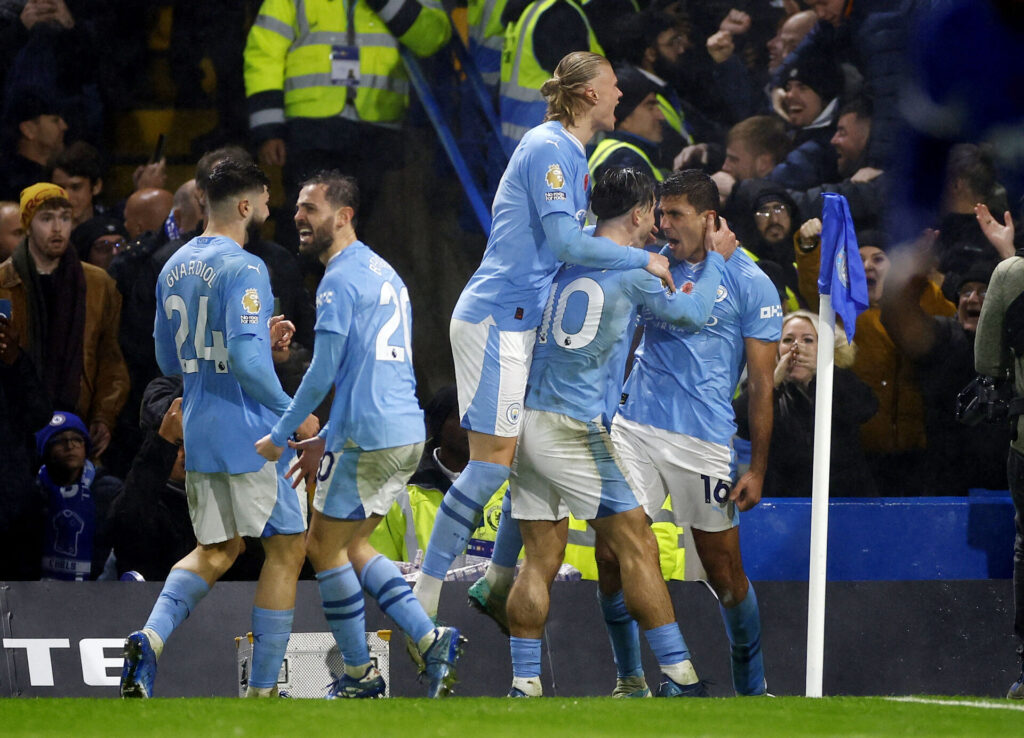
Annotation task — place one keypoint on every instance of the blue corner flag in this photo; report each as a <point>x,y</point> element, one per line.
<point>842,271</point>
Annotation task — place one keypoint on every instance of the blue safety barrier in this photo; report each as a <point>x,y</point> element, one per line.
<point>477,85</point>
<point>433,110</point>
<point>890,538</point>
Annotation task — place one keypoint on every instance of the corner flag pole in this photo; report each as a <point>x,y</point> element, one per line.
<point>819,497</point>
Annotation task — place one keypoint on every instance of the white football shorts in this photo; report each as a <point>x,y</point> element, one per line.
<point>353,484</point>
<point>257,504</point>
<point>662,463</point>
<point>491,369</point>
<point>564,465</point>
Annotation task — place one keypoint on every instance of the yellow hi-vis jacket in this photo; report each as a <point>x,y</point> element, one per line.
<point>288,58</point>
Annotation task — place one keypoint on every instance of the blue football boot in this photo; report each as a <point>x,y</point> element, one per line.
<point>139,670</point>
<point>440,659</point>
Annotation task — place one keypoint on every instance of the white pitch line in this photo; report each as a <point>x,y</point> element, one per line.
<point>959,703</point>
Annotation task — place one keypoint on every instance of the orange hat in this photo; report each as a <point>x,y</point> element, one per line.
<point>33,197</point>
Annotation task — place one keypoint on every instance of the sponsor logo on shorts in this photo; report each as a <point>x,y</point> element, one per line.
<point>771,311</point>
<point>554,178</point>
<point>513,412</point>
<point>251,300</point>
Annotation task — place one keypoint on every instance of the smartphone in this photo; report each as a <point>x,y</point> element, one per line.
<point>5,308</point>
<point>158,152</point>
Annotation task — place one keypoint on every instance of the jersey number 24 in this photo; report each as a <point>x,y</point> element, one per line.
<point>216,351</point>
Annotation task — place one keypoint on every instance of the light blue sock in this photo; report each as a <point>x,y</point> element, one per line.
<point>345,610</point>
<point>623,632</point>
<point>179,597</point>
<point>525,656</point>
<point>667,643</point>
<point>509,540</point>
<point>383,582</point>
<point>459,514</point>
<point>743,625</point>
<point>270,632</point>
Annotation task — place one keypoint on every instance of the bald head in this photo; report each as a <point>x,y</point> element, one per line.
<point>11,231</point>
<point>146,210</point>
<point>187,210</point>
<point>790,34</point>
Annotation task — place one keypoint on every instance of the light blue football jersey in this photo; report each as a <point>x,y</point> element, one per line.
<point>362,298</point>
<point>579,358</point>
<point>209,292</point>
<point>547,174</point>
<point>683,380</point>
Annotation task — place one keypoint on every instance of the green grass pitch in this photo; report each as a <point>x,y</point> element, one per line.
<point>500,718</point>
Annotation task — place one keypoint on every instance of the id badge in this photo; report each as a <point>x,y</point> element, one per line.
<point>345,65</point>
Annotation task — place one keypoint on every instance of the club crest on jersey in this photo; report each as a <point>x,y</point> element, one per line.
<point>722,293</point>
<point>251,300</point>
<point>513,412</point>
<point>687,288</point>
<point>554,177</point>
<point>841,269</point>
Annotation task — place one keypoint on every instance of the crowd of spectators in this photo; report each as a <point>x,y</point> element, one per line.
<point>780,101</point>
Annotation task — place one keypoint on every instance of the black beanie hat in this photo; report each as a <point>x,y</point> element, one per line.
<point>635,86</point>
<point>820,72</point>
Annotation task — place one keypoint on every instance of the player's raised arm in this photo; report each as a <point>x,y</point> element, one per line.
<point>746,493</point>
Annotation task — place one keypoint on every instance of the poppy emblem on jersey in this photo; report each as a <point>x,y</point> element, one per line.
<point>512,414</point>
<point>586,182</point>
<point>554,177</point>
<point>687,288</point>
<point>251,300</point>
<point>722,293</point>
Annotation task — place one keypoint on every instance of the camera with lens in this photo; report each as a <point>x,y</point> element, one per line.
<point>984,400</point>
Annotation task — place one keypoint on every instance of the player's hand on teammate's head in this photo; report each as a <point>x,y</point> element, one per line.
<point>309,428</point>
<point>267,449</point>
<point>170,427</point>
<point>746,493</point>
<point>718,237</point>
<point>658,266</point>
<point>307,464</point>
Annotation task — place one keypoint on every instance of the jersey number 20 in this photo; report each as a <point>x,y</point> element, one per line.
<point>385,350</point>
<point>216,352</point>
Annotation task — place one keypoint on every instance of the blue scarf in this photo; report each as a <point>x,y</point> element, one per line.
<point>69,528</point>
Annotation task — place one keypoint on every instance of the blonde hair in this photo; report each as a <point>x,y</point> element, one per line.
<point>845,352</point>
<point>565,92</point>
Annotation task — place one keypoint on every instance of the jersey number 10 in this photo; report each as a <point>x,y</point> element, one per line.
<point>217,352</point>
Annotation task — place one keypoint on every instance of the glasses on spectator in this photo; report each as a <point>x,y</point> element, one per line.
<point>109,246</point>
<point>766,213</point>
<point>69,441</point>
<point>974,292</point>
